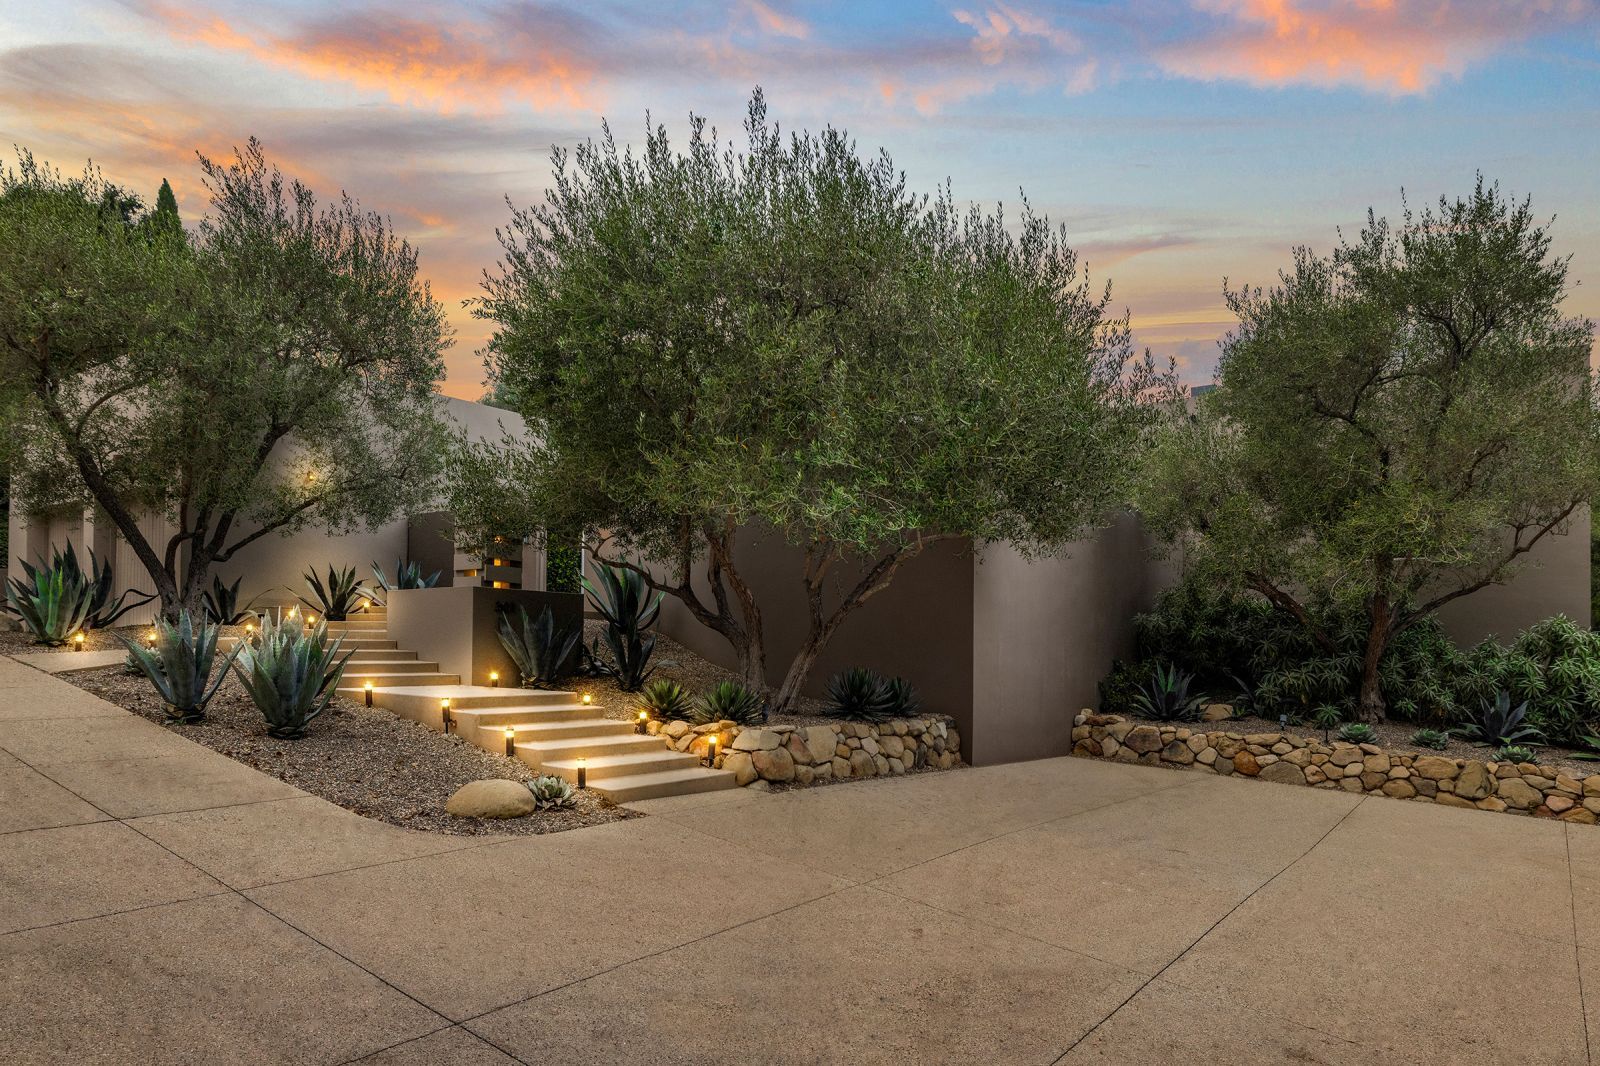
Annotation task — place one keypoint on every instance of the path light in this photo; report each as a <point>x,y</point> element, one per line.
<point>494,679</point>
<point>150,640</point>
<point>77,641</point>
<point>444,713</point>
<point>711,749</point>
<point>583,772</point>
<point>367,688</point>
<point>644,720</point>
<point>511,741</point>
<point>311,620</point>
<point>587,699</point>
<point>249,631</point>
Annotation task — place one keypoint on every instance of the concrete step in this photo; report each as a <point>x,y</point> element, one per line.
<point>391,666</point>
<point>354,683</point>
<point>491,735</point>
<point>606,767</point>
<point>500,717</point>
<point>359,625</point>
<point>544,751</point>
<point>374,655</point>
<point>482,697</point>
<point>634,787</point>
<point>350,644</point>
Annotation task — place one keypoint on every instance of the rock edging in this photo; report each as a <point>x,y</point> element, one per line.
<point>812,754</point>
<point>1511,788</point>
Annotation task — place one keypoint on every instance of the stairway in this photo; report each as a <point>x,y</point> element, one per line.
<point>551,731</point>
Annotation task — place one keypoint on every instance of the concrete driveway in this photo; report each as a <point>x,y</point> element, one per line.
<point>161,903</point>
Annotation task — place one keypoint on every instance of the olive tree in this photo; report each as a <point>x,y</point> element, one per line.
<point>272,370</point>
<point>1395,426</point>
<point>711,343</point>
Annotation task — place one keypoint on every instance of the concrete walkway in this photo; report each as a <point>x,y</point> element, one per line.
<point>161,903</point>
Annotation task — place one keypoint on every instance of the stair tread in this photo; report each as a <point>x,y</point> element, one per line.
<point>608,761</point>
<point>664,783</point>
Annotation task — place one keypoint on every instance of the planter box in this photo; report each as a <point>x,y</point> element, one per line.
<point>457,626</point>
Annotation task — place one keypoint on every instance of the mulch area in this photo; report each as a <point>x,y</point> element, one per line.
<point>367,761</point>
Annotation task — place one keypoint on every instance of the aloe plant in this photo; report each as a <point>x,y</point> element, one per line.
<point>290,674</point>
<point>1499,724</point>
<point>623,598</point>
<point>341,596</point>
<point>222,604</point>
<point>1166,697</point>
<point>180,665</point>
<point>542,650</point>
<point>729,701</point>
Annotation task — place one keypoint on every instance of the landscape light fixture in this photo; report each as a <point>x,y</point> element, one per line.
<point>494,679</point>
<point>644,722</point>
<point>711,749</point>
<point>511,742</point>
<point>587,699</point>
<point>444,713</point>
<point>77,640</point>
<point>150,640</point>
<point>367,689</point>
<point>583,772</point>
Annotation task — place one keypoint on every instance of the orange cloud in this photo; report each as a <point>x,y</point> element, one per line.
<point>776,22</point>
<point>1393,46</point>
<point>465,65</point>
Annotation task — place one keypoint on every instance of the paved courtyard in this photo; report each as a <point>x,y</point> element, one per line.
<point>162,903</point>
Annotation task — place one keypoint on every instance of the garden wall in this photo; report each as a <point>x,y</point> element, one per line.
<point>815,754</point>
<point>1514,788</point>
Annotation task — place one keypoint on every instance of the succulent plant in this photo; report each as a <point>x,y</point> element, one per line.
<point>551,792</point>
<point>623,598</point>
<point>860,695</point>
<point>664,699</point>
<point>342,595</point>
<point>407,575</point>
<point>290,674</point>
<point>542,650</point>
<point>1359,733</point>
<point>1499,724</point>
<point>179,666</point>
<point>1514,753</point>
<point>222,604</point>
<point>903,698</point>
<point>1166,697</point>
<point>1430,738</point>
<point>729,701</point>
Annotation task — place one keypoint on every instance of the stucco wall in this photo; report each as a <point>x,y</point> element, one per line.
<point>1553,580</point>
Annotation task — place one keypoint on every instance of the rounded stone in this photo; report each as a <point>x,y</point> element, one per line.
<point>744,769</point>
<point>492,798</point>
<point>775,764</point>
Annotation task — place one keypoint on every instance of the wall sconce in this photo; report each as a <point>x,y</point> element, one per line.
<point>367,689</point>
<point>444,713</point>
<point>77,641</point>
<point>644,721</point>
<point>494,679</point>
<point>511,742</point>
<point>583,772</point>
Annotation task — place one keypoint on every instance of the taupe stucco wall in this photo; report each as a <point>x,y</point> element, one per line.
<point>919,628</point>
<point>1045,631</point>
<point>457,626</point>
<point>1553,580</point>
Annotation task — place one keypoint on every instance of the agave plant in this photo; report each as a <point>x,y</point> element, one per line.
<point>623,599</point>
<point>51,605</point>
<point>179,666</point>
<point>903,698</point>
<point>407,575</point>
<point>103,610</point>
<point>1430,738</point>
<point>222,604</point>
<point>290,674</point>
<point>342,596</point>
<point>552,793</point>
<point>1359,733</point>
<point>542,650</point>
<point>664,699</point>
<point>859,695</point>
<point>1166,697</point>
<point>729,701</point>
<point>1500,724</point>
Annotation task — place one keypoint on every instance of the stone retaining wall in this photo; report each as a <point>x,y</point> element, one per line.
<point>804,755</point>
<point>1515,788</point>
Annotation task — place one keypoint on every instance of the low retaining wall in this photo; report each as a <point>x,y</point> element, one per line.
<point>804,755</point>
<point>1515,788</point>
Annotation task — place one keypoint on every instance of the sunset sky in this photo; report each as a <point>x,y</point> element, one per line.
<point>1180,141</point>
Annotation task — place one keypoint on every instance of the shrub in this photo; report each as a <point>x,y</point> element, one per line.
<point>1166,698</point>
<point>1327,718</point>
<point>1430,738</point>
<point>859,695</point>
<point>342,596</point>
<point>1499,724</point>
<point>407,575</point>
<point>729,701</point>
<point>543,651</point>
<point>623,598</point>
<point>664,700</point>
<point>1358,733</point>
<point>552,793</point>
<point>290,674</point>
<point>180,665</point>
<point>222,604</point>
<point>51,605</point>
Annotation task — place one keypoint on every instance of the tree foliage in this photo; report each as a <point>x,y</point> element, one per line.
<point>1395,425</point>
<point>273,370</point>
<point>786,338</point>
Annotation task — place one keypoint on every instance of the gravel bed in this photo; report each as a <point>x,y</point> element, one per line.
<point>18,642</point>
<point>367,761</point>
<point>1395,737</point>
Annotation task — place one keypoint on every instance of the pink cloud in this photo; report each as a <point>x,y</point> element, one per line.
<point>776,22</point>
<point>1392,46</point>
